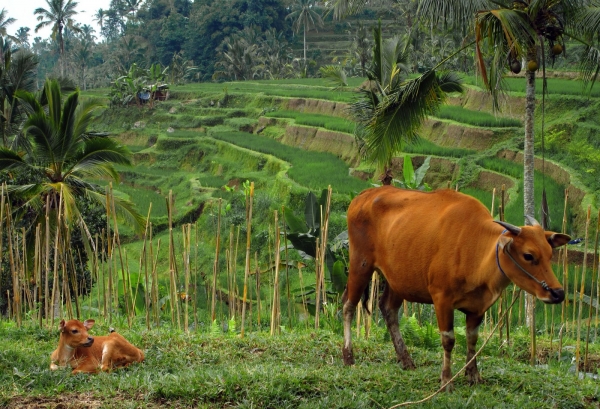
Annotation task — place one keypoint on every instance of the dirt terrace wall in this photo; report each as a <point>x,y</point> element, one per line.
<point>316,106</point>
<point>576,195</point>
<point>341,144</point>
<point>477,100</point>
<point>456,136</point>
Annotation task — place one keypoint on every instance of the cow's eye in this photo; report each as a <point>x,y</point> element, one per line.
<point>528,257</point>
<point>74,331</point>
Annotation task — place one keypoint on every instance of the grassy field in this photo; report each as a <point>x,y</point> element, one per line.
<point>307,169</point>
<point>321,121</point>
<point>204,157</point>
<point>476,118</point>
<point>297,369</point>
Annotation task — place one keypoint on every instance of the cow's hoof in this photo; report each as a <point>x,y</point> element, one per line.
<point>448,387</point>
<point>474,378</point>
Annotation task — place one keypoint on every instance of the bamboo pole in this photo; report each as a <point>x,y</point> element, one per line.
<point>249,200</point>
<point>581,292</point>
<point>187,231</point>
<point>258,306</point>
<point>196,274</point>
<point>287,271</point>
<point>172,281</point>
<point>126,292</point>
<point>320,276</point>
<point>304,304</point>
<point>144,263</point>
<point>230,273</point>
<point>596,270</point>
<point>216,266</point>
<point>590,311</point>
<point>56,242</point>
<point>38,270</point>
<point>275,308</point>
<point>155,283</point>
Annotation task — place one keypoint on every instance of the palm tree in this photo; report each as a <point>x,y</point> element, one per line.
<point>99,17</point>
<point>530,30</point>
<point>61,159</point>
<point>360,48</point>
<point>59,14</point>
<point>18,72</point>
<point>22,36</point>
<point>303,15</point>
<point>236,59</point>
<point>392,107</point>
<point>5,21</point>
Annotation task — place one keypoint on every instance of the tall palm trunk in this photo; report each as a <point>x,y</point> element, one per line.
<point>528,160</point>
<point>528,170</point>
<point>62,50</point>
<point>305,46</point>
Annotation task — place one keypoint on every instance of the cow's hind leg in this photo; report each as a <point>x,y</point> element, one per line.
<point>389,304</point>
<point>358,279</point>
<point>471,372</point>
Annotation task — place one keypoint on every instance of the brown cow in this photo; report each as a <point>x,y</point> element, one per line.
<point>443,248</point>
<point>90,354</point>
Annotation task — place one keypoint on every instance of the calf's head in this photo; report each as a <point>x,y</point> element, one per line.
<point>74,333</point>
<point>525,258</point>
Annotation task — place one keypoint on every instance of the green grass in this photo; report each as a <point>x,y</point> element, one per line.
<point>556,86</point>
<point>298,369</point>
<point>268,88</point>
<point>321,121</point>
<point>314,170</point>
<point>425,147</point>
<point>475,118</point>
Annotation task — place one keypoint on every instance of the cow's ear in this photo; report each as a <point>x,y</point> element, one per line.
<point>504,242</point>
<point>88,324</point>
<point>557,239</point>
<point>61,325</point>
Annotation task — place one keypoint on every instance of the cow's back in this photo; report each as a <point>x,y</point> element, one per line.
<point>411,235</point>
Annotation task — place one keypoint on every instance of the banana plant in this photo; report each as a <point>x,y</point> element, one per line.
<point>303,234</point>
<point>414,179</point>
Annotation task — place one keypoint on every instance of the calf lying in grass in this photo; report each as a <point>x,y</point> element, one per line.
<point>89,354</point>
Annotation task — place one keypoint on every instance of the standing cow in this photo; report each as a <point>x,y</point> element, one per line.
<point>444,248</point>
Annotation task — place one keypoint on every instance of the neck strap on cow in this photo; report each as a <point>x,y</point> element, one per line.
<point>507,252</point>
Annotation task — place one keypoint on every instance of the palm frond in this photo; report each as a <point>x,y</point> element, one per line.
<point>10,159</point>
<point>53,96</point>
<point>124,208</point>
<point>398,117</point>
<point>335,74</point>
<point>84,116</point>
<point>65,141</point>
<point>452,12</point>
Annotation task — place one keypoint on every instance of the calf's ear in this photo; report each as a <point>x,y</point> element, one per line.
<point>557,239</point>
<point>88,324</point>
<point>61,325</point>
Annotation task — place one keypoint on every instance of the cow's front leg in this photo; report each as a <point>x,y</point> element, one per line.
<point>471,372</point>
<point>445,317</point>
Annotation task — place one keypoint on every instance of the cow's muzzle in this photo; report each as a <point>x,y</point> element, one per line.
<point>557,295</point>
<point>89,342</point>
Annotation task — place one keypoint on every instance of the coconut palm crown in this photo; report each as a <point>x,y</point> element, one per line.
<point>61,159</point>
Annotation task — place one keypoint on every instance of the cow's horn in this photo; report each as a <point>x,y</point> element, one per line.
<point>511,228</point>
<point>531,221</point>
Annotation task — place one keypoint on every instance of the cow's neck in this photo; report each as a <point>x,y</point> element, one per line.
<point>65,353</point>
<point>494,279</point>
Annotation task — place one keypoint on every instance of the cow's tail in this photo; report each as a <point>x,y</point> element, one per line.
<point>365,298</point>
